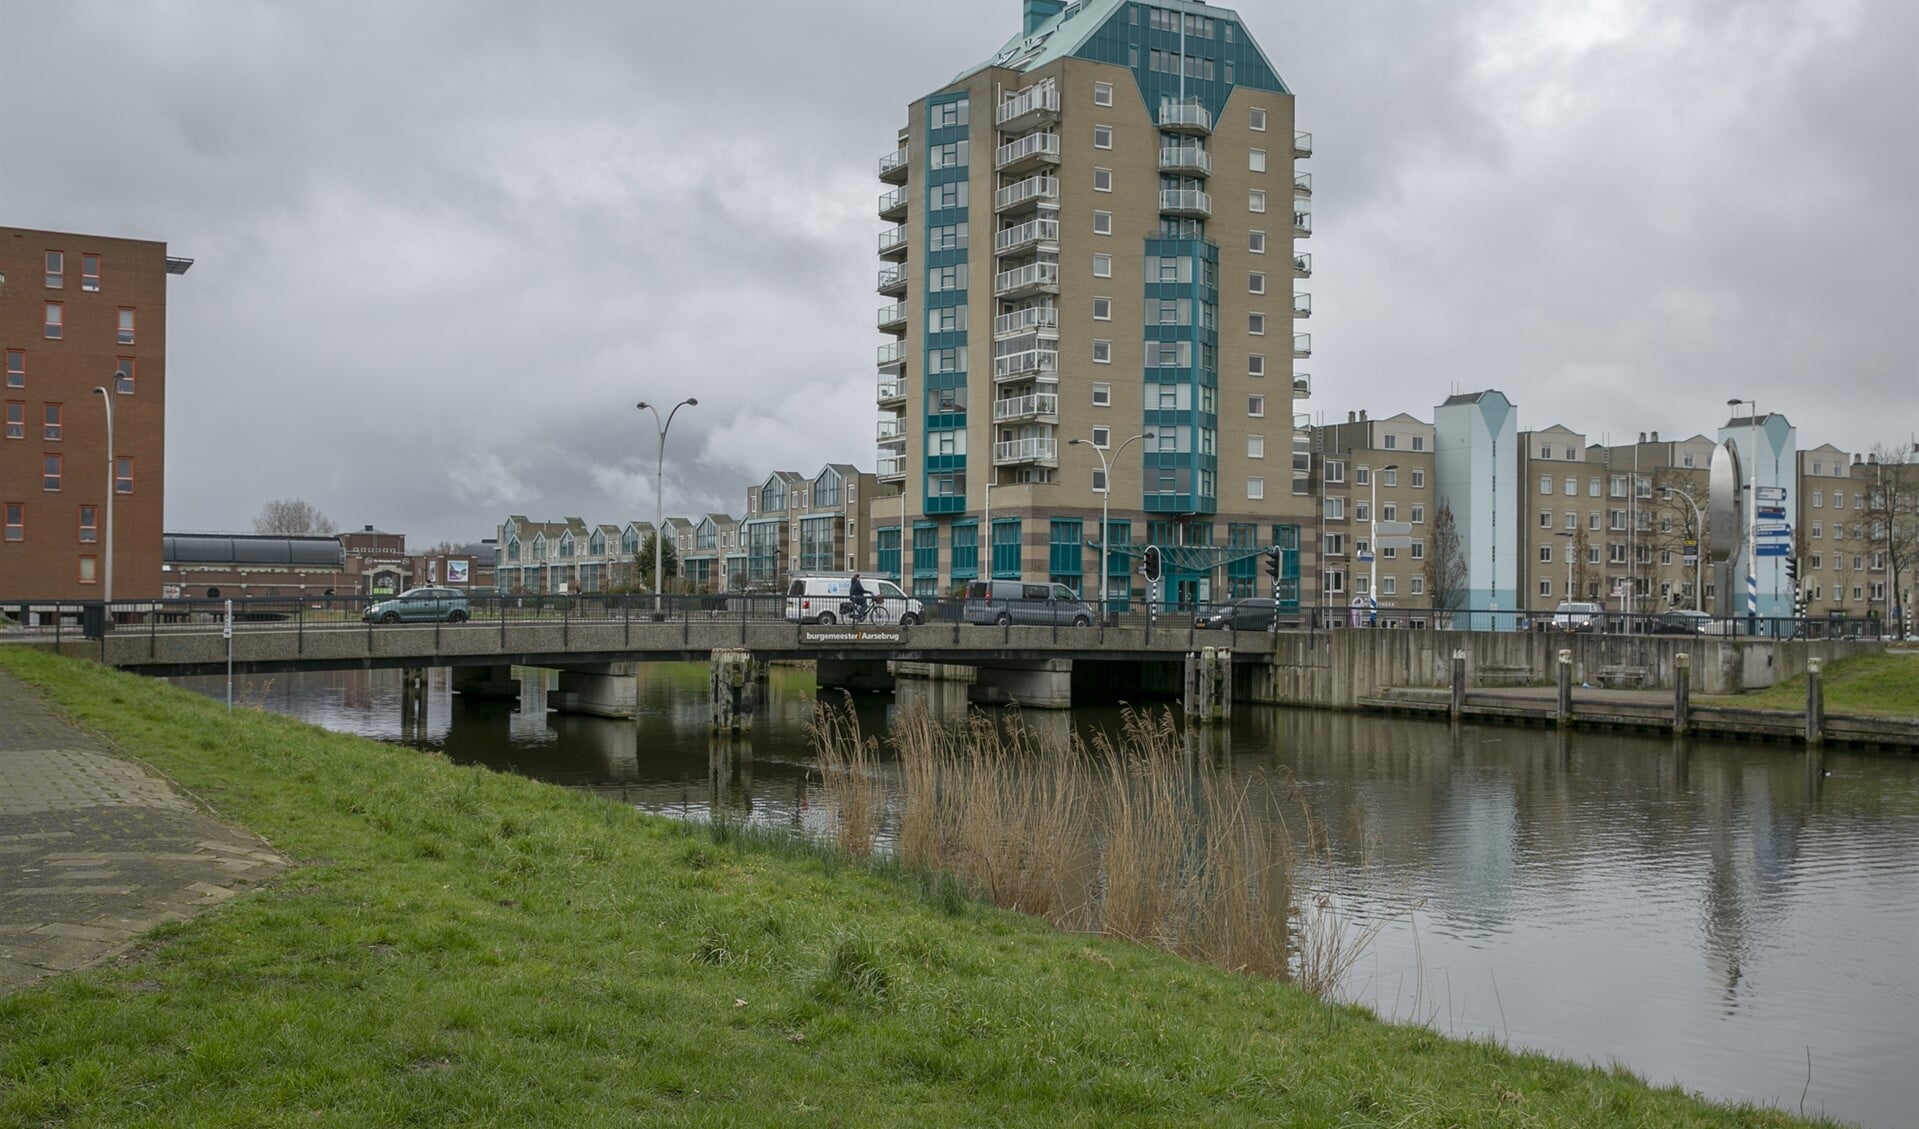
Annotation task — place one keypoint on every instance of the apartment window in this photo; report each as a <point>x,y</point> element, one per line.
<point>50,422</point>
<point>1255,488</point>
<point>1419,442</point>
<point>1102,223</point>
<point>1419,476</point>
<point>1389,511</point>
<point>949,114</point>
<point>1592,488</point>
<point>16,419</point>
<point>1102,309</point>
<point>1545,450</point>
<point>89,570</point>
<point>1256,282</point>
<point>1256,242</point>
<point>50,472</point>
<point>1362,476</point>
<point>1419,584</point>
<point>1102,266</point>
<point>1572,488</point>
<point>1335,544</point>
<point>1545,554</point>
<point>1392,442</point>
<point>1102,180</point>
<point>1335,470</point>
<point>1102,395</point>
<point>1256,406</point>
<point>1102,137</point>
<point>1546,484</point>
<point>1818,499</point>
<point>1102,352</point>
<point>1592,520</point>
<point>1572,520</point>
<point>950,155</point>
<point>55,323</point>
<point>941,279</point>
<point>1388,585</point>
<point>123,475</point>
<point>16,521</point>
<point>56,270</point>
<point>1255,446</point>
<point>1815,532</point>
<point>1362,512</point>
<point>89,524</point>
<point>1389,476</point>
<point>16,368</point>
<point>126,327</point>
<point>1545,588</point>
<point>90,273</point>
<point>1256,364</point>
<point>1418,549</point>
<point>1418,517</point>
<point>1336,509</point>
<point>123,376</point>
<point>1256,324</point>
<point>1102,94</point>
<point>1257,122</point>
<point>1256,200</point>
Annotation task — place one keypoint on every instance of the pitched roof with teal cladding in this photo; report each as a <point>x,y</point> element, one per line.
<point>1075,32</point>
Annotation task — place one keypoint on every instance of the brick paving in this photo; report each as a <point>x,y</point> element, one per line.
<point>95,850</point>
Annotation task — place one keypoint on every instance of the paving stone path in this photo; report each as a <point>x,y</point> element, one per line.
<point>95,850</point>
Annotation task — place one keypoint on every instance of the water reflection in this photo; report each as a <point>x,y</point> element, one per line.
<point>1704,912</point>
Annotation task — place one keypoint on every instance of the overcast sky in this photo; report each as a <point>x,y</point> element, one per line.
<point>442,248</point>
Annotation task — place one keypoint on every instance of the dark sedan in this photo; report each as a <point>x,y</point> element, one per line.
<point>1250,613</point>
<point>1681,621</point>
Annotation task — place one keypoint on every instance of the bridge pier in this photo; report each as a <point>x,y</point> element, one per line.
<point>737,682</point>
<point>1209,686</point>
<point>495,683</point>
<point>413,701</point>
<point>853,674</point>
<point>1042,684</point>
<point>602,690</point>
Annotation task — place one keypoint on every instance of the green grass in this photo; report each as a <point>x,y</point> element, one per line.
<point>1885,684</point>
<point>458,947</point>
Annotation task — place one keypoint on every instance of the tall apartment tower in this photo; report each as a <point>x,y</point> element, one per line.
<point>1095,241</point>
<point>83,327</point>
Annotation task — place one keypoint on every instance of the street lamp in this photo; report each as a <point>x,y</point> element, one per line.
<point>1372,541</point>
<point>106,400</point>
<point>1105,496</point>
<point>1752,517</point>
<point>659,489</point>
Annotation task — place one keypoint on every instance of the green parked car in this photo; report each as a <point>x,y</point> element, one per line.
<point>420,605</point>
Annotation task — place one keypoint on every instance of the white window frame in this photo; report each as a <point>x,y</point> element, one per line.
<point>1102,394</point>
<point>1102,179</point>
<point>1256,200</point>
<point>1256,160</point>
<point>1101,302</point>
<point>1102,223</point>
<point>1107,130</point>
<point>1256,488</point>
<point>1102,265</point>
<point>1256,119</point>
<point>1102,94</point>
<point>1102,351</point>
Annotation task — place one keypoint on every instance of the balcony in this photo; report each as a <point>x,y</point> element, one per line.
<point>1026,236</point>
<point>1302,145</point>
<point>1027,193</point>
<point>893,243</point>
<point>1185,202</point>
<point>1032,152</point>
<point>893,205</point>
<point>1302,225</point>
<point>1031,279</point>
<point>1302,266</point>
<point>892,319</point>
<point>1040,407</point>
<point>1302,306</point>
<point>892,393</point>
<point>1302,385</point>
<point>1031,318</point>
<point>1185,117</point>
<point>1188,159</point>
<point>892,280</point>
<point>890,468</point>
<point>893,166</point>
<point>1042,451</point>
<point>1035,105</point>
<point>891,429</point>
<point>892,353</point>
<point>1026,365</point>
<point>1302,345</point>
<point>1302,185</point>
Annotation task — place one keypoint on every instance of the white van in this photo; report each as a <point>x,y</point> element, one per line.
<point>829,599</point>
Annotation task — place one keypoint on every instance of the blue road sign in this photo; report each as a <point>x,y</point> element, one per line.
<point>1773,549</point>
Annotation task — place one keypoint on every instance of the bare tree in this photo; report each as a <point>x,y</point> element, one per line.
<point>1679,508</point>
<point>1583,582</point>
<point>291,517</point>
<point>1445,565</point>
<point>1892,519</point>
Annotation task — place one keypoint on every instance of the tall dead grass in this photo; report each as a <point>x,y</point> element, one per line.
<point>1127,835</point>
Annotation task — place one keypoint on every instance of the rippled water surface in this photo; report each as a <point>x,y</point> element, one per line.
<point>1709,914</point>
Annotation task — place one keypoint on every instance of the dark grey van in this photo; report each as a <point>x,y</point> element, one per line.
<point>1020,601</point>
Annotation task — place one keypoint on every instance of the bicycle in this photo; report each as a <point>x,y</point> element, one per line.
<point>861,611</point>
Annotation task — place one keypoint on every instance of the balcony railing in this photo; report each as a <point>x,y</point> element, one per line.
<point>1302,345</point>
<point>891,429</point>
<point>1022,321</point>
<point>1034,189</point>
<point>1185,117</point>
<point>893,316</point>
<point>893,165</point>
<point>1302,225</point>
<point>893,241</point>
<point>1020,237</point>
<point>1302,266</point>
<point>1028,108</point>
<point>892,279</point>
<point>1032,278</point>
<point>1026,364</point>
<point>888,468</point>
<point>1302,145</point>
<point>1302,184</point>
<point>893,204</point>
<point>891,390</point>
<point>1030,406</point>
<point>892,352</point>
<point>1026,451</point>
<point>1302,305</point>
<point>1185,159</point>
<point>1185,202</point>
<point>1302,385</point>
<point>1032,150</point>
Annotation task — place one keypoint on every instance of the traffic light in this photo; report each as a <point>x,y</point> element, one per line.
<point>1792,572</point>
<point>1150,566</point>
<point>1272,563</point>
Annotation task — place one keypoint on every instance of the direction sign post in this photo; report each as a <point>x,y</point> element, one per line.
<point>1772,493</point>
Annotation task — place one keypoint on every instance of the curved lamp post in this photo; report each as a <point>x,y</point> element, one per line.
<point>106,400</point>
<point>1106,472</point>
<point>659,489</point>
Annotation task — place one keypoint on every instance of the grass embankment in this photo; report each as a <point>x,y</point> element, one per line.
<point>1876,685</point>
<point>456,946</point>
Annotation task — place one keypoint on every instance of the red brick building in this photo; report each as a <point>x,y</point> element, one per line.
<point>83,332</point>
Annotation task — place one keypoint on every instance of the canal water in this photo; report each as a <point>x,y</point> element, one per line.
<point>1737,919</point>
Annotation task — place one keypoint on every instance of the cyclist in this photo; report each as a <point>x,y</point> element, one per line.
<point>858,593</point>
